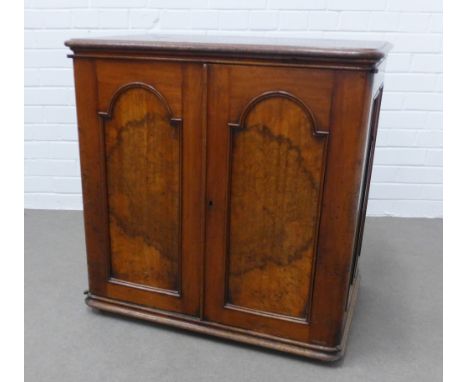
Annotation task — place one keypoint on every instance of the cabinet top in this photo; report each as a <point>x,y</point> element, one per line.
<point>371,52</point>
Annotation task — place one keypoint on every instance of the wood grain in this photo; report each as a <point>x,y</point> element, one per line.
<point>344,54</point>
<point>340,205</point>
<point>180,89</point>
<point>277,139</point>
<point>225,185</point>
<point>275,187</point>
<point>143,178</point>
<point>374,121</point>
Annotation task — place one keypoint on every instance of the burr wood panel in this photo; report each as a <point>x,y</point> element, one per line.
<point>143,163</point>
<point>275,184</point>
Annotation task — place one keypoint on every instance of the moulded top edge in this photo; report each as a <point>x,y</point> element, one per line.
<point>244,46</point>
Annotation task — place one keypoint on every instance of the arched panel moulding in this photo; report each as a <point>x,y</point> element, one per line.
<point>175,121</point>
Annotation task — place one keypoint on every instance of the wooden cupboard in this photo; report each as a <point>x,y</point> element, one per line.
<point>225,182</point>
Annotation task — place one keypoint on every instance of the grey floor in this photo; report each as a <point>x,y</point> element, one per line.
<point>396,333</point>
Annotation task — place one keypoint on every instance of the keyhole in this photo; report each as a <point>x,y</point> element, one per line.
<point>210,203</point>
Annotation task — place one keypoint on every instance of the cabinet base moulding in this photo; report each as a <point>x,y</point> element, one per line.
<point>180,321</point>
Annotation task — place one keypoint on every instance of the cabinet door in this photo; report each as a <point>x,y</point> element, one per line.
<point>140,141</point>
<point>267,146</point>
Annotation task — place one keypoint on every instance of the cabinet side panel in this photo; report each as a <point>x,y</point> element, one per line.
<point>374,122</point>
<point>143,182</point>
<point>276,168</point>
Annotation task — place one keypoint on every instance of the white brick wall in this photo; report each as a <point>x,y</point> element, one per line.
<point>407,177</point>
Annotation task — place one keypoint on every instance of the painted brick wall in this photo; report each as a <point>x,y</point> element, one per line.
<point>407,178</point>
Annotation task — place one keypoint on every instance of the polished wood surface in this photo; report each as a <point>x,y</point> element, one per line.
<point>122,235</point>
<point>344,54</point>
<point>225,185</point>
<point>143,184</point>
<point>276,171</point>
<point>265,170</point>
<point>239,45</point>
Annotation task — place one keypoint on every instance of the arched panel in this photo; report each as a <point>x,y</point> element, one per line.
<point>143,174</point>
<point>276,167</point>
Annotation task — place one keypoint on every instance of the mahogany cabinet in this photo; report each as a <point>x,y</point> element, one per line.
<point>225,182</point>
